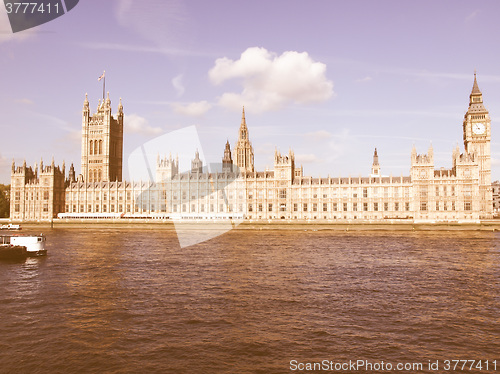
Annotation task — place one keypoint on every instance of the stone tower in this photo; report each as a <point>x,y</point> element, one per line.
<point>196,164</point>
<point>37,193</point>
<point>375,165</point>
<point>284,171</point>
<point>422,176</point>
<point>243,152</point>
<point>477,138</point>
<point>284,165</point>
<point>227,160</point>
<point>166,168</point>
<point>102,143</point>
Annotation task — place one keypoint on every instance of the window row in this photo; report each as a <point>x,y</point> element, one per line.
<point>335,207</point>
<point>444,206</point>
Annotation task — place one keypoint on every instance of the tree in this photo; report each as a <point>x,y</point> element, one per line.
<point>4,201</point>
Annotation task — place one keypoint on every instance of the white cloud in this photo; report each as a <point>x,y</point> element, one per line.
<point>6,33</point>
<point>178,85</point>
<point>306,158</point>
<point>25,101</point>
<point>319,135</point>
<point>270,81</point>
<point>364,80</point>
<point>192,109</point>
<point>134,124</point>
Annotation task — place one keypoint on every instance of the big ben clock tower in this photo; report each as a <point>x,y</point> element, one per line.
<point>477,137</point>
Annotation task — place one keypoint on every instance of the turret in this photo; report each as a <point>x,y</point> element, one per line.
<point>284,165</point>
<point>107,104</point>
<point>86,104</point>
<point>375,165</point>
<point>166,168</point>
<point>227,161</point>
<point>120,109</point>
<point>456,152</point>
<point>72,176</point>
<point>422,166</point>
<point>196,164</point>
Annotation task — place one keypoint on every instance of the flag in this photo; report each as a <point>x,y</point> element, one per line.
<point>102,76</point>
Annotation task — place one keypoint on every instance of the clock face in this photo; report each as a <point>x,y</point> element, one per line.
<point>478,128</point>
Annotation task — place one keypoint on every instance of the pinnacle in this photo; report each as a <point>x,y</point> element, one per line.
<point>243,120</point>
<point>475,87</point>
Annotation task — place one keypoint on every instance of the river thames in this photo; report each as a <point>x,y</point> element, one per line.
<point>250,301</point>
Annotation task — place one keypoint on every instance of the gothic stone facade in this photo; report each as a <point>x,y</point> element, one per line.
<point>462,193</point>
<point>37,193</point>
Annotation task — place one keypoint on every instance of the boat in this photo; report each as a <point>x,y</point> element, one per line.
<point>34,244</point>
<point>12,252</point>
<point>10,226</point>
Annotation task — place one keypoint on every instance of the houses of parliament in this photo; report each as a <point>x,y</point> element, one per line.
<point>428,194</point>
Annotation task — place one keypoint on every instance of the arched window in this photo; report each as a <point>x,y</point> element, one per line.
<point>100,175</point>
<point>91,148</point>
<point>100,147</point>
<point>95,176</point>
<point>90,175</point>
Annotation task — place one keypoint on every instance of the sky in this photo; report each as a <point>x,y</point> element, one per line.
<point>331,80</point>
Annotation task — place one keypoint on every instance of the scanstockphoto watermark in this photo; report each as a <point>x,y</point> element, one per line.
<point>462,365</point>
<point>25,15</point>
<point>356,366</point>
<point>173,181</point>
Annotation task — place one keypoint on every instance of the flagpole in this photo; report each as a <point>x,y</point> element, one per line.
<point>103,77</point>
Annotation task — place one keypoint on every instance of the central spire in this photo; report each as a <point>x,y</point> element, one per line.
<point>475,87</point>
<point>243,127</point>
<point>243,153</point>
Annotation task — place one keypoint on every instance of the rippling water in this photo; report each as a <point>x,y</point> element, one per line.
<point>127,301</point>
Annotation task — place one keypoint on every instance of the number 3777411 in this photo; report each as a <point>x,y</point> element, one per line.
<point>25,15</point>
<point>32,8</point>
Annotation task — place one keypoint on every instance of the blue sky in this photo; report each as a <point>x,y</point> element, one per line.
<point>329,79</point>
